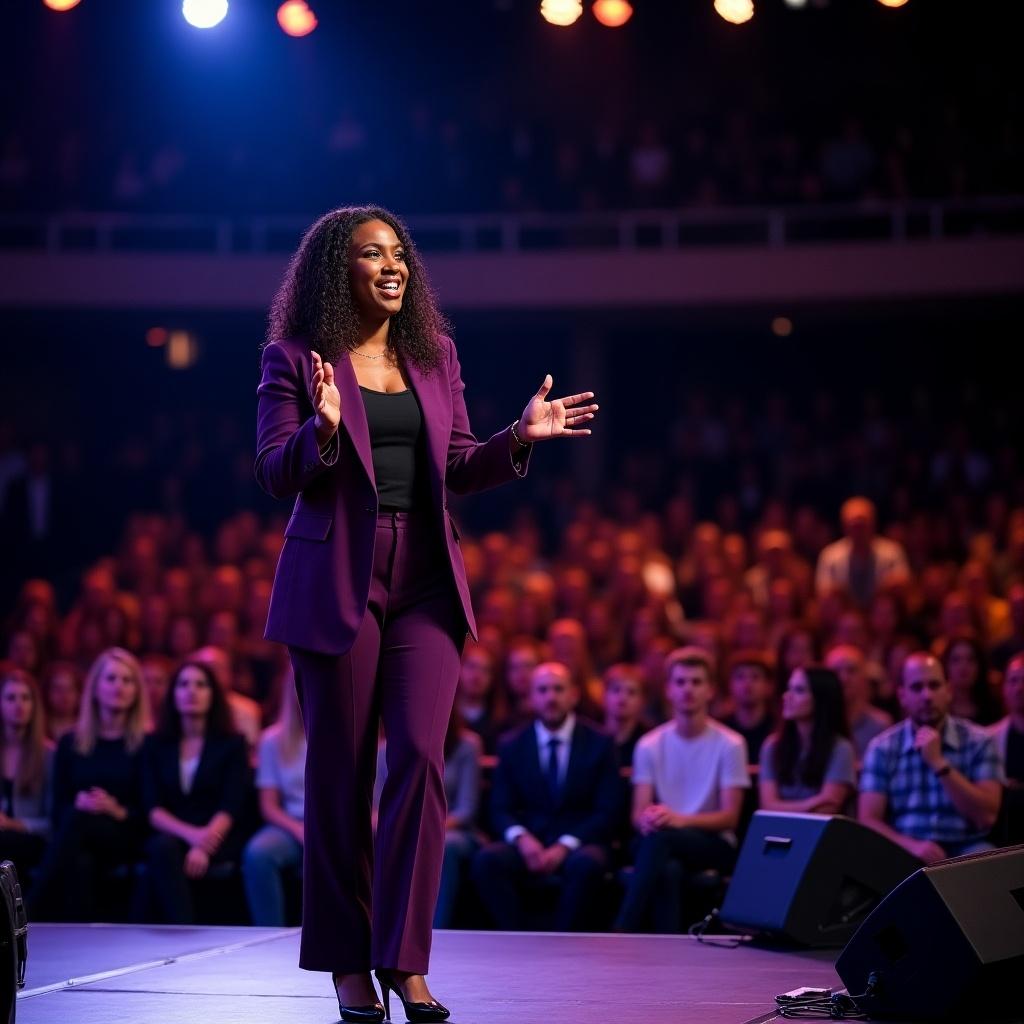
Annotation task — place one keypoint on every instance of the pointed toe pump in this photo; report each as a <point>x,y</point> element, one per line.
<point>415,1013</point>
<point>372,1013</point>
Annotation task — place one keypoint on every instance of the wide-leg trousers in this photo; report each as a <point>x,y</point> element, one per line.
<point>370,904</point>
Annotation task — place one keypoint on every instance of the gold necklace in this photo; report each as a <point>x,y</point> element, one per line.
<point>379,355</point>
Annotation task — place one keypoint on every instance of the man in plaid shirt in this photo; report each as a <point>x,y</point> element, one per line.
<point>931,783</point>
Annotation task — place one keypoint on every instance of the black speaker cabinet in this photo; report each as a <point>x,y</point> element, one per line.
<point>949,941</point>
<point>812,878</point>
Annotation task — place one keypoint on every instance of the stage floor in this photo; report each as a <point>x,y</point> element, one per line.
<point>173,975</point>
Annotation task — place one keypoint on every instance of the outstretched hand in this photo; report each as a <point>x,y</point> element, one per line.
<point>325,397</point>
<point>561,417</point>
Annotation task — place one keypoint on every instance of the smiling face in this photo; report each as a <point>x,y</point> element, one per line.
<point>378,272</point>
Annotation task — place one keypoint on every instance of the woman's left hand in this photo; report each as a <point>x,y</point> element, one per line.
<point>561,417</point>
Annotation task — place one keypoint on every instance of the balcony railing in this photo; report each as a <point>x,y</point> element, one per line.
<point>633,230</point>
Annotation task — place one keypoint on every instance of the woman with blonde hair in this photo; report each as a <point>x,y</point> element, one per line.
<point>97,789</point>
<point>280,779</point>
<point>26,759</point>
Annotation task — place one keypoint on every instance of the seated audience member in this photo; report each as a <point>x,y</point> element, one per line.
<point>462,752</point>
<point>567,639</point>
<point>861,562</point>
<point>863,718</point>
<point>798,648</point>
<point>521,658</point>
<point>966,666</point>
<point>931,783</point>
<point>624,709</point>
<point>246,714</point>
<point>808,765</point>
<point>751,692</point>
<point>553,801</point>
<point>1009,737</point>
<point>477,695</point>
<point>1014,643</point>
<point>62,695</point>
<point>194,788</point>
<point>27,762</point>
<point>280,780</point>
<point>688,780</point>
<point>97,790</point>
<point>156,676</point>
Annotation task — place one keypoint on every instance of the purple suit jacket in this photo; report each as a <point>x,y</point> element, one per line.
<point>323,574</point>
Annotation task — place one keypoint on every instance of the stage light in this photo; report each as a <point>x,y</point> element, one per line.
<point>182,350</point>
<point>61,5</point>
<point>893,3</point>
<point>156,337</point>
<point>796,3</point>
<point>735,11</point>
<point>782,327</point>
<point>204,13</point>
<point>561,12</point>
<point>613,13</point>
<point>296,18</point>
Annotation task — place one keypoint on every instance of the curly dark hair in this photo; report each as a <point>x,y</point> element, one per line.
<point>219,721</point>
<point>315,297</point>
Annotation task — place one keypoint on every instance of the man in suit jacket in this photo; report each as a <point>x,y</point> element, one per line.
<point>554,801</point>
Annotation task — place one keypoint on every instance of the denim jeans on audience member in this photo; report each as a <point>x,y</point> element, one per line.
<point>459,848</point>
<point>694,850</point>
<point>267,855</point>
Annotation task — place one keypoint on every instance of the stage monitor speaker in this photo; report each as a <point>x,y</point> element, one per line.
<point>811,878</point>
<point>948,941</point>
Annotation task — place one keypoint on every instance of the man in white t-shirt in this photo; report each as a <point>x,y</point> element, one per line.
<point>688,780</point>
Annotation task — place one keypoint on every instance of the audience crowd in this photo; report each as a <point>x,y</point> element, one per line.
<point>633,696</point>
<point>483,156</point>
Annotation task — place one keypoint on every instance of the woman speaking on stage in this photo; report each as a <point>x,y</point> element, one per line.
<point>362,420</point>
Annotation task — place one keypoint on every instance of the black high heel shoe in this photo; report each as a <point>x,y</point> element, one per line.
<point>417,1013</point>
<point>372,1013</point>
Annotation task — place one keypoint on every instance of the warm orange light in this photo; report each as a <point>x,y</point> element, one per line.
<point>893,3</point>
<point>735,11</point>
<point>561,12</point>
<point>296,18</point>
<point>613,13</point>
<point>782,327</point>
<point>61,5</point>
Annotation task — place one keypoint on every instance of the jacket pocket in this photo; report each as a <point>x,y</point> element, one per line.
<point>308,526</point>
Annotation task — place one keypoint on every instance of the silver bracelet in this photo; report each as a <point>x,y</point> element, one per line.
<point>518,440</point>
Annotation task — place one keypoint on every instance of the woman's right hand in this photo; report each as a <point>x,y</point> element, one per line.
<point>326,399</point>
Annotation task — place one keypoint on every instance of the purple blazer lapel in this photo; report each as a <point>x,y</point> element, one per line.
<point>437,421</point>
<point>353,413</point>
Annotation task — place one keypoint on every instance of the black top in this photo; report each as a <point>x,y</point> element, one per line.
<point>220,783</point>
<point>110,766</point>
<point>754,736</point>
<point>398,442</point>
